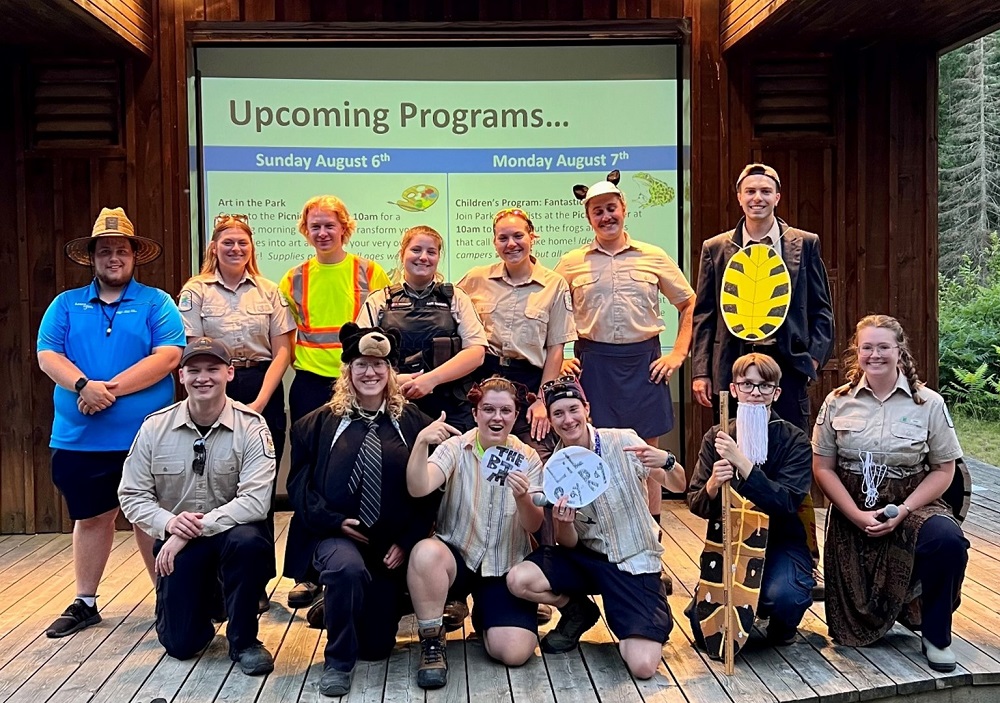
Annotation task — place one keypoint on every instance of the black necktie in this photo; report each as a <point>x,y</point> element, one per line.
<point>368,475</point>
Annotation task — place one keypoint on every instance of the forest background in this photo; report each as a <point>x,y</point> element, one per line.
<point>968,223</point>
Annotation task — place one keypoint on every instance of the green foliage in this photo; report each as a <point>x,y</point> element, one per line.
<point>969,331</point>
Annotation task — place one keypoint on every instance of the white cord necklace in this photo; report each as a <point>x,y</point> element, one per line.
<point>872,475</point>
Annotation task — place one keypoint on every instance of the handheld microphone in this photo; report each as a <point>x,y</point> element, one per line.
<point>540,500</point>
<point>888,513</point>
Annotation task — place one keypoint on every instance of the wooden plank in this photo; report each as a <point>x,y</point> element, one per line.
<point>49,559</point>
<point>401,668</point>
<point>458,688</point>
<point>611,678</point>
<point>24,547</point>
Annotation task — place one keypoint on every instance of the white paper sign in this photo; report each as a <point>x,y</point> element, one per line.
<point>576,472</point>
<point>499,461</point>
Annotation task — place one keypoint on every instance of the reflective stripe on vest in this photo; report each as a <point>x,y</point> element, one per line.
<point>326,337</point>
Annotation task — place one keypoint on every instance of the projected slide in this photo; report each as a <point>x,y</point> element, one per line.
<point>444,153</point>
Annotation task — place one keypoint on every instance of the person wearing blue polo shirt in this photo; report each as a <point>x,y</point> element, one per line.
<point>109,347</point>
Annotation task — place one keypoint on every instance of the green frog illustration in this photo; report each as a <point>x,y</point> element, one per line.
<point>659,192</point>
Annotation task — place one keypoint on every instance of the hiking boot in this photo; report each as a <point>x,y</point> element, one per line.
<point>779,635</point>
<point>76,617</point>
<point>544,614</point>
<point>433,670</point>
<point>255,660</point>
<point>937,658</point>
<point>455,613</point>
<point>316,616</point>
<point>576,617</point>
<point>304,594</point>
<point>335,683</point>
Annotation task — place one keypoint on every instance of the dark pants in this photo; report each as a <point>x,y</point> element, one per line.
<point>242,558</point>
<point>940,557</point>
<point>308,392</point>
<point>245,387</point>
<point>530,377</point>
<point>786,589</point>
<point>362,601</point>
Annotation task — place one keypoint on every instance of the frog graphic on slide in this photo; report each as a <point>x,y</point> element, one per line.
<point>659,192</point>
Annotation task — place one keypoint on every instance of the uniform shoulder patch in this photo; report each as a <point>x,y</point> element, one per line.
<point>267,441</point>
<point>821,416</point>
<point>184,303</point>
<point>568,301</point>
<point>947,416</point>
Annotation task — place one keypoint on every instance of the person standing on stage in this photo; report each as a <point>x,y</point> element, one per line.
<point>442,339</point>
<point>323,293</point>
<point>110,347</point>
<point>616,282</point>
<point>801,345</point>
<point>232,302</point>
<point>528,315</point>
<point>198,479</point>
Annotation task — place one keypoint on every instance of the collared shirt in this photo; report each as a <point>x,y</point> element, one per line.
<point>76,325</point>
<point>897,431</point>
<point>159,481</point>
<point>246,319</point>
<point>616,295</point>
<point>618,524</point>
<point>522,320</point>
<point>470,327</point>
<point>477,517</point>
<point>771,238</point>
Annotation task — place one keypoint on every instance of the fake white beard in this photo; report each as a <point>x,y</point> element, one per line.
<point>751,431</point>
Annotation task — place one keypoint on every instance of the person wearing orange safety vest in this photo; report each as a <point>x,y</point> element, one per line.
<point>323,293</point>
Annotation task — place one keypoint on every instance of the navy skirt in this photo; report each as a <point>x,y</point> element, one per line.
<point>615,378</point>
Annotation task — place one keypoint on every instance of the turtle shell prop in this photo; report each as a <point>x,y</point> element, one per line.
<point>749,532</point>
<point>756,292</point>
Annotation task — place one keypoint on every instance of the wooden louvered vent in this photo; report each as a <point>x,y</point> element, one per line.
<point>76,104</point>
<point>793,96</point>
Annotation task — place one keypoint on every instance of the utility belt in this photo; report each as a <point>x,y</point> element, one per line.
<point>250,363</point>
<point>438,351</point>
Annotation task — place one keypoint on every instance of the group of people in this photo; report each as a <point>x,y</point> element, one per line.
<point>402,387</point>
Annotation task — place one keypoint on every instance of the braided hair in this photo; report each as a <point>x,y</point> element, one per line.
<point>906,364</point>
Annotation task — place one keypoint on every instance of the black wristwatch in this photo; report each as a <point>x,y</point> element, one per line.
<point>671,460</point>
<point>80,383</point>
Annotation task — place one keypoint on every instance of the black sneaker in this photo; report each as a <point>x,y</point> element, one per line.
<point>255,660</point>
<point>576,617</point>
<point>76,617</point>
<point>433,670</point>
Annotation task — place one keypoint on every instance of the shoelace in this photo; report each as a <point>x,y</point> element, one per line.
<point>433,652</point>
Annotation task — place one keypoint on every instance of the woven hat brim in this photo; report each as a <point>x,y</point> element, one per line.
<point>146,250</point>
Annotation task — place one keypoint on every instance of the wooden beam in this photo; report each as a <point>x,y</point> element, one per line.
<point>126,23</point>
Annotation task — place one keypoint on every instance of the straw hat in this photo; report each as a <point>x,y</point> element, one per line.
<point>113,223</point>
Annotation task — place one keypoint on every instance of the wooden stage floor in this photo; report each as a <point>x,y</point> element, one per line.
<point>121,661</point>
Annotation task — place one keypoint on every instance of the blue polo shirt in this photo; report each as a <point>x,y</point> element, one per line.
<point>75,325</point>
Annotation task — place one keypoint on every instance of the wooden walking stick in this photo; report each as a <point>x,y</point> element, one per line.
<point>729,655</point>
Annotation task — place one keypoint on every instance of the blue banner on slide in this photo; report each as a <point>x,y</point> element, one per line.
<point>545,160</point>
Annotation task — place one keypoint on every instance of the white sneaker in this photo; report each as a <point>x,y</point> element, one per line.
<point>938,659</point>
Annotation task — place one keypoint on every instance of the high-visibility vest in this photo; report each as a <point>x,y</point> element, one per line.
<point>322,298</point>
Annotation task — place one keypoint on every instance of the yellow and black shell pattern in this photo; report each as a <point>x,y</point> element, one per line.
<point>756,292</point>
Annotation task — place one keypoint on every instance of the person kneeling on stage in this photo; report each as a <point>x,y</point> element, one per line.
<point>608,547</point>
<point>770,464</point>
<point>483,528</point>
<point>198,479</point>
<point>349,464</point>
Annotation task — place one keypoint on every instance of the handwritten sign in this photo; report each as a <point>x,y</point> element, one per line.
<point>577,472</point>
<point>498,461</point>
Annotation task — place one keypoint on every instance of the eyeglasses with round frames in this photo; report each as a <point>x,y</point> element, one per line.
<point>882,349</point>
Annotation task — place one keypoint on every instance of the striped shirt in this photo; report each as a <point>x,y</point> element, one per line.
<point>477,517</point>
<point>618,524</point>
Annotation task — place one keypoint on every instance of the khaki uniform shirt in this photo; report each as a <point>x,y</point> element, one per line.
<point>158,480</point>
<point>470,327</point>
<point>616,295</point>
<point>618,524</point>
<point>522,321</point>
<point>477,517</point>
<point>246,319</point>
<point>898,432</point>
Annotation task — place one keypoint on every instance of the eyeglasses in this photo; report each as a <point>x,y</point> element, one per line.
<point>764,388</point>
<point>882,349</point>
<point>219,219</point>
<point>200,455</point>
<point>513,211</point>
<point>561,381</point>
<point>378,365</point>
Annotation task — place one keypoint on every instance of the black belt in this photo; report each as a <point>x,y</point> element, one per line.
<point>249,363</point>
<point>505,362</point>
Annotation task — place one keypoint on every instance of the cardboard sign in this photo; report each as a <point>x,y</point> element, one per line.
<point>577,472</point>
<point>498,461</point>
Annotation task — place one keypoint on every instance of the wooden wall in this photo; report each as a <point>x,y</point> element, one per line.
<point>867,184</point>
<point>740,17</point>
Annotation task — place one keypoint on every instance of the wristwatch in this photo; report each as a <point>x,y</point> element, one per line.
<point>671,460</point>
<point>80,383</point>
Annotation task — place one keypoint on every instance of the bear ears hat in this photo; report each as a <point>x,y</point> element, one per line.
<point>608,185</point>
<point>112,223</point>
<point>368,341</point>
